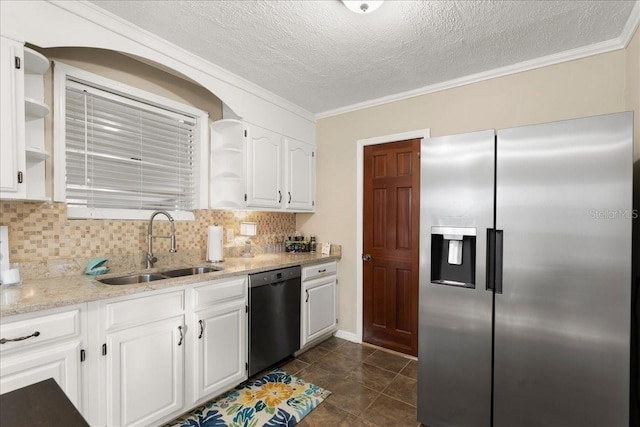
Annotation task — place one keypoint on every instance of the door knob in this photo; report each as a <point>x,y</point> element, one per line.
<point>366,257</point>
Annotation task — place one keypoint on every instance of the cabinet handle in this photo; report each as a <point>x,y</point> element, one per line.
<point>289,192</point>
<point>307,291</point>
<point>5,340</point>
<point>322,271</point>
<point>279,196</point>
<point>201,329</point>
<point>181,335</point>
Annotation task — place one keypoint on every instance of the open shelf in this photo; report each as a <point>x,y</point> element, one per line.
<point>37,154</point>
<point>34,62</point>
<point>35,109</point>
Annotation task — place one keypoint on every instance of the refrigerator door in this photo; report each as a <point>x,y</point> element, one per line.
<point>456,203</point>
<point>563,199</point>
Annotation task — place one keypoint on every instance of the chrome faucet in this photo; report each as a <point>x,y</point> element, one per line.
<point>150,258</point>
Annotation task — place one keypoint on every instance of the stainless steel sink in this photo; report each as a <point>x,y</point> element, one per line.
<point>190,271</point>
<point>133,279</point>
<point>169,274</point>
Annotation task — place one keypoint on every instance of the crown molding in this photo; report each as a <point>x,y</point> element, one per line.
<point>617,43</point>
<point>124,28</point>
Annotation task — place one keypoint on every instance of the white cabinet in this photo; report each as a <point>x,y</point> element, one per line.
<point>44,345</point>
<point>143,364</point>
<point>219,338</point>
<point>264,168</point>
<point>161,353</point>
<point>255,168</point>
<point>319,283</point>
<point>22,174</point>
<point>145,372</point>
<point>299,167</point>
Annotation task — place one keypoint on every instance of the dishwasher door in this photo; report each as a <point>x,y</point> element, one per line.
<point>274,317</point>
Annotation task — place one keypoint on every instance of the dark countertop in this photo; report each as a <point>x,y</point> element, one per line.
<point>39,405</point>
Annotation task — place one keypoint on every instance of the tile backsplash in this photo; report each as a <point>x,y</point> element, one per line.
<point>41,233</point>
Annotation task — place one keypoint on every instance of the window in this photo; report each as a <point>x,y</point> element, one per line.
<point>123,153</point>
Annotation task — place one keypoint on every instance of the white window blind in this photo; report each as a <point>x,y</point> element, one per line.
<point>123,153</point>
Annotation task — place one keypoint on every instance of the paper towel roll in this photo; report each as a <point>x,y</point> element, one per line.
<point>214,244</point>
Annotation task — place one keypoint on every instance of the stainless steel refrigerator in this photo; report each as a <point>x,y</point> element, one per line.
<point>525,276</point>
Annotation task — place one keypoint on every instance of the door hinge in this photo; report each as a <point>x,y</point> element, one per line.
<point>246,366</point>
<point>20,177</point>
<point>104,349</point>
<point>18,62</point>
<point>336,320</point>
<point>82,355</point>
<point>245,197</point>
<point>246,308</point>
<point>313,154</point>
<point>245,133</point>
<point>313,203</point>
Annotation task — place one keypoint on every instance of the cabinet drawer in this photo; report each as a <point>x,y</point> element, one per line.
<point>219,290</point>
<point>145,309</point>
<point>40,329</point>
<point>318,270</point>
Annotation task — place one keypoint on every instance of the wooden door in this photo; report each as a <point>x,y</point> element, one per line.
<point>391,245</point>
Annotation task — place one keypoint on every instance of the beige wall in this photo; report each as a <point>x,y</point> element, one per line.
<point>590,86</point>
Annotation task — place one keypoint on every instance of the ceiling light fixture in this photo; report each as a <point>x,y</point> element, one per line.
<point>362,6</point>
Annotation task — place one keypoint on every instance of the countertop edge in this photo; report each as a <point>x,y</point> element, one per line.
<point>44,294</point>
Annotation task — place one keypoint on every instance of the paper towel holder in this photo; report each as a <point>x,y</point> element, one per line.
<point>214,244</point>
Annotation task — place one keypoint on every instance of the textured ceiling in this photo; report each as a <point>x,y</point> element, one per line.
<point>321,56</point>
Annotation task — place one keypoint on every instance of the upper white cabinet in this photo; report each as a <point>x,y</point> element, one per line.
<point>264,168</point>
<point>22,163</point>
<point>256,168</point>
<point>300,167</point>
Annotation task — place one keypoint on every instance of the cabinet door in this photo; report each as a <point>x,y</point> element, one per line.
<point>12,156</point>
<point>60,362</point>
<point>221,354</point>
<point>264,168</point>
<point>299,175</point>
<point>145,372</point>
<point>319,308</point>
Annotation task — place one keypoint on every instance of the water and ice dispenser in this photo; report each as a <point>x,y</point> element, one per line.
<point>453,256</point>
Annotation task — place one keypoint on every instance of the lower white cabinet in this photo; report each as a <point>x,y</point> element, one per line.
<point>161,353</point>
<point>319,296</point>
<point>44,345</point>
<point>220,350</point>
<point>145,372</point>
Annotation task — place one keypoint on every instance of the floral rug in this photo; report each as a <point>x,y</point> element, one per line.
<point>274,400</point>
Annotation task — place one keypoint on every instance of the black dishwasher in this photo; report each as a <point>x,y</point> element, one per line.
<point>274,317</point>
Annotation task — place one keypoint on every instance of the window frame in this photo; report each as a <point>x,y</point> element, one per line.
<point>61,72</point>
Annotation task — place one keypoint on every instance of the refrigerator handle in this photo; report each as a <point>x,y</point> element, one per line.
<point>494,260</point>
<point>498,260</point>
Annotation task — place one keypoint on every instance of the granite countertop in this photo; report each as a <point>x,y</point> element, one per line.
<point>35,295</point>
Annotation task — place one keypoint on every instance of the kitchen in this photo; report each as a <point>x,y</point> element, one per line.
<point>598,84</point>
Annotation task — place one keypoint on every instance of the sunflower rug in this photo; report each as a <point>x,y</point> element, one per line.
<point>274,400</point>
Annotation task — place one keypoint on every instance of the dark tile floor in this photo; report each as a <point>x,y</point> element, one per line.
<point>369,387</point>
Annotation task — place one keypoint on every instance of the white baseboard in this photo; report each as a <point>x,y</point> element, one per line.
<point>349,336</point>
